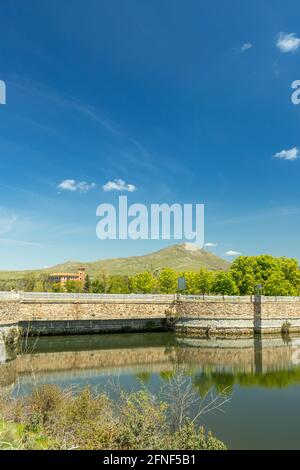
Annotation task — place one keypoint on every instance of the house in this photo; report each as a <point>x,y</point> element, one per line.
<point>62,278</point>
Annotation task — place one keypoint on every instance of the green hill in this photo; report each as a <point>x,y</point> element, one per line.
<point>182,257</point>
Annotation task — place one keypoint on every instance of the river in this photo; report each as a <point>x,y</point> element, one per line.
<point>258,375</point>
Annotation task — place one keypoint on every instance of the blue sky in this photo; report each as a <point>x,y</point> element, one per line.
<point>185,101</point>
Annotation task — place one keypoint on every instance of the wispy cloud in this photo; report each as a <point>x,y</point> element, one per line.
<point>210,244</point>
<point>245,47</point>
<point>9,241</point>
<point>232,253</point>
<point>72,103</point>
<point>119,185</point>
<point>288,42</point>
<point>73,185</point>
<point>291,154</point>
<point>7,221</point>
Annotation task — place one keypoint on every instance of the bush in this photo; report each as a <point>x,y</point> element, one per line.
<point>53,418</point>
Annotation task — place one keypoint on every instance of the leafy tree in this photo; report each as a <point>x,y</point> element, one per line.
<point>205,281</point>
<point>249,271</point>
<point>144,283</point>
<point>97,287</point>
<point>167,281</point>
<point>38,286</point>
<point>224,284</point>
<point>56,287</point>
<point>45,283</point>
<point>73,286</point>
<point>87,284</point>
<point>289,267</point>
<point>278,285</point>
<point>192,282</point>
<point>119,285</point>
<point>104,279</point>
<point>243,273</point>
<point>29,282</point>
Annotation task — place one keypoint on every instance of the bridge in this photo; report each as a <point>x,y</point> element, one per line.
<point>45,313</point>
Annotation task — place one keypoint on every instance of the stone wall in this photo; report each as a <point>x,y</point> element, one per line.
<point>215,318</point>
<point>9,312</point>
<point>204,317</point>
<point>81,327</point>
<point>33,311</point>
<point>272,316</point>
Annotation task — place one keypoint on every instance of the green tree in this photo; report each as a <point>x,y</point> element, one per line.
<point>73,286</point>
<point>289,267</point>
<point>243,274</point>
<point>249,271</point>
<point>167,281</point>
<point>87,284</point>
<point>192,283</point>
<point>29,282</point>
<point>224,284</point>
<point>97,287</point>
<point>45,282</point>
<point>57,287</point>
<point>119,285</point>
<point>278,285</point>
<point>205,281</point>
<point>144,283</point>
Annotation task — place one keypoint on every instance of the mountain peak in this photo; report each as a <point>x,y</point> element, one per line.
<point>181,257</point>
<point>189,246</point>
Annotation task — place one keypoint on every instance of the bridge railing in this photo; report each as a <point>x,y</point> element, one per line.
<point>40,296</point>
<point>9,296</point>
<point>280,299</point>
<point>95,297</point>
<point>217,298</point>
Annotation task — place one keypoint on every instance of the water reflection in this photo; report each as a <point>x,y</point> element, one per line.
<point>150,359</point>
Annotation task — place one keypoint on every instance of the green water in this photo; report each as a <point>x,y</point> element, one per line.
<point>258,374</point>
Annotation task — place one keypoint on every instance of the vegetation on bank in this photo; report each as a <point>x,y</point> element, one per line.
<point>276,276</point>
<point>53,418</point>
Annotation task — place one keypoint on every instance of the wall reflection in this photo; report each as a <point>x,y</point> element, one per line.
<point>260,361</point>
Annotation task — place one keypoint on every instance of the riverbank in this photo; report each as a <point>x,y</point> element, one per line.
<point>53,418</point>
<point>260,374</point>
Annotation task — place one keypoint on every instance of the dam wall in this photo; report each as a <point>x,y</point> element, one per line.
<point>58,314</point>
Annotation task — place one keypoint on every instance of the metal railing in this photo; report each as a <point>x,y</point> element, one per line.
<point>36,296</point>
<point>280,299</point>
<point>217,298</point>
<point>9,296</point>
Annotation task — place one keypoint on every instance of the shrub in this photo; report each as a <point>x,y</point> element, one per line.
<point>53,418</point>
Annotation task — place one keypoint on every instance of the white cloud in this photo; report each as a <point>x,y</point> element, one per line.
<point>288,42</point>
<point>245,47</point>
<point>291,154</point>
<point>73,185</point>
<point>210,244</point>
<point>119,185</point>
<point>83,186</point>
<point>232,253</point>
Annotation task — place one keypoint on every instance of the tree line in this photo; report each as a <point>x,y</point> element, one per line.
<point>248,275</point>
